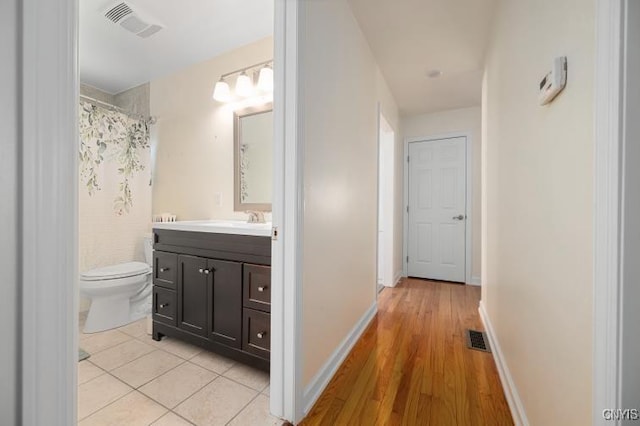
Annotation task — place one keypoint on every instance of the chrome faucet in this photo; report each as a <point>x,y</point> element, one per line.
<point>255,217</point>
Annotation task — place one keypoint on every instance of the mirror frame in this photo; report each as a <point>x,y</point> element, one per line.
<point>238,205</point>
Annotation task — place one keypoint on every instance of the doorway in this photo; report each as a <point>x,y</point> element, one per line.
<point>437,208</point>
<point>386,196</point>
<point>47,355</point>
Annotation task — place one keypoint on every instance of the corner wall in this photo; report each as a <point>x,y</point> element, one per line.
<point>538,206</point>
<point>467,120</point>
<point>342,86</point>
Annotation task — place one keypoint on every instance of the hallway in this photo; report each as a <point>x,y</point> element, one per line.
<point>412,366</point>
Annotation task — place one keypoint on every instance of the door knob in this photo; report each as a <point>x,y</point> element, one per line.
<point>459,217</point>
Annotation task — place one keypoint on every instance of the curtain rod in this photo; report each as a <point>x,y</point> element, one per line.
<point>116,108</point>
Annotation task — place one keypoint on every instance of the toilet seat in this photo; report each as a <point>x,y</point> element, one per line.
<point>113,272</point>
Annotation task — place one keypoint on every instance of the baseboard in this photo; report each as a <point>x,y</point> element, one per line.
<point>509,387</point>
<point>474,281</point>
<point>324,376</point>
<point>397,278</point>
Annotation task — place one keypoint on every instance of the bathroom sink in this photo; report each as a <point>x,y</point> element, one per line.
<point>219,226</point>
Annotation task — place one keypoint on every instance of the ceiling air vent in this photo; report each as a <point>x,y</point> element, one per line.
<point>117,12</point>
<point>131,20</point>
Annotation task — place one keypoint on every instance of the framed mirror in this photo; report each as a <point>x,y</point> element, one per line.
<point>253,158</point>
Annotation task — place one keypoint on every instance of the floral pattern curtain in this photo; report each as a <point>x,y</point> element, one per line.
<point>114,136</point>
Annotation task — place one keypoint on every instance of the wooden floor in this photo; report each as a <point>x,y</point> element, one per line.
<point>412,365</point>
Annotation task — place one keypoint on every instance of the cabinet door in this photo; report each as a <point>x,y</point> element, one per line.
<point>225,302</point>
<point>192,294</point>
<point>256,285</point>
<point>164,269</point>
<point>164,305</point>
<point>257,333</point>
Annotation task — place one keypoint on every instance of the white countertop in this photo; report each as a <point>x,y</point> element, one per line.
<point>235,227</point>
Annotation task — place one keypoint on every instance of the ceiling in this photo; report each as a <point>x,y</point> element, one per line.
<point>113,59</point>
<point>411,37</point>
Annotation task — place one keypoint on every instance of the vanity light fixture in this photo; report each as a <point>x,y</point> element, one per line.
<point>244,87</point>
<point>265,80</point>
<point>221,92</point>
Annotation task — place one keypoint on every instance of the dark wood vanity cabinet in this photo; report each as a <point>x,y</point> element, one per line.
<point>193,289</point>
<point>214,290</point>
<point>225,313</point>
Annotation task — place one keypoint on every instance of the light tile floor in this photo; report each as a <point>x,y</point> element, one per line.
<point>132,380</point>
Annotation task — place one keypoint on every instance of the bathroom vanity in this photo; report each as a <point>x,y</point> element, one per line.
<point>212,287</point>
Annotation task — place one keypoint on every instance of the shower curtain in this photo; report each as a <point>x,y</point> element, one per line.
<point>108,136</point>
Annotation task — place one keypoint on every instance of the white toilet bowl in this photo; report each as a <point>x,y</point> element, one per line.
<point>120,294</point>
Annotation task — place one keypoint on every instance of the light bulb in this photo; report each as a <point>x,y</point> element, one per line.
<point>244,86</point>
<point>265,80</point>
<point>221,92</point>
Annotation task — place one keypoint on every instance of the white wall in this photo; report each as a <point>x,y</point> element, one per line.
<point>631,206</point>
<point>466,120</point>
<point>9,211</point>
<point>342,88</point>
<point>193,139</point>
<point>538,204</point>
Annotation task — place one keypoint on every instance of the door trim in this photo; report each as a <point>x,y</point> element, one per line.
<point>379,133</point>
<point>49,205</point>
<point>286,396</point>
<point>469,200</point>
<point>608,226</point>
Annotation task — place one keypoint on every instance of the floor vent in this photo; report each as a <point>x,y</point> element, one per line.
<point>478,340</point>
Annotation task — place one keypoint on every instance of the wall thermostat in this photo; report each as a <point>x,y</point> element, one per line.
<point>554,81</point>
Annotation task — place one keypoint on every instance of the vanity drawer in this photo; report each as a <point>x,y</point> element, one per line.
<point>256,333</point>
<point>256,291</point>
<point>164,305</point>
<point>165,269</point>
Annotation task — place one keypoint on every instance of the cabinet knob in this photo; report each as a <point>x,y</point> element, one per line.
<point>261,334</point>
<point>206,271</point>
<point>164,269</point>
<point>261,289</point>
<point>164,305</point>
<point>201,270</point>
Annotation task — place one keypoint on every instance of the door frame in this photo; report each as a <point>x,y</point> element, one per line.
<point>468,198</point>
<point>608,233</point>
<point>48,179</point>
<point>381,117</point>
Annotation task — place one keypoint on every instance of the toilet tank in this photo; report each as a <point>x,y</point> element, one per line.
<point>148,249</point>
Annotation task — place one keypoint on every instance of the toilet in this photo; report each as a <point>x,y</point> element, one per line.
<point>120,294</point>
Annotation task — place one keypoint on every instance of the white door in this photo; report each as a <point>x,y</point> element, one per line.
<point>437,206</point>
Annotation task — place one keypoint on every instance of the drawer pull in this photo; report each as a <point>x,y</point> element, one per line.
<point>163,305</point>
<point>164,269</point>
<point>261,335</point>
<point>261,289</point>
